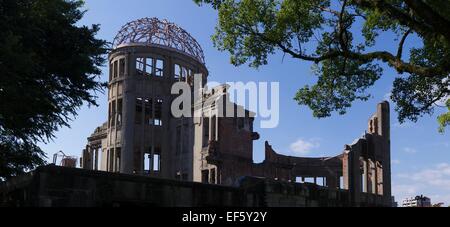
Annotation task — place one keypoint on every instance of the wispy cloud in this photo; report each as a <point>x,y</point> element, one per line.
<point>438,176</point>
<point>405,190</point>
<point>435,181</point>
<point>304,147</point>
<point>409,150</point>
<point>396,162</point>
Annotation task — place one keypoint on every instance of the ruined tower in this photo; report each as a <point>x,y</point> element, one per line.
<point>143,137</point>
<point>149,55</point>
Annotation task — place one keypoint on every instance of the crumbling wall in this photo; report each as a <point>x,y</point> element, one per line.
<point>54,186</point>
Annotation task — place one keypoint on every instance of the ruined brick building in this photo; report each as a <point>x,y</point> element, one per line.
<point>142,137</point>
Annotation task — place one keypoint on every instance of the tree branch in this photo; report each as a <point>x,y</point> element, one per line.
<point>402,43</point>
<point>403,18</point>
<point>425,12</point>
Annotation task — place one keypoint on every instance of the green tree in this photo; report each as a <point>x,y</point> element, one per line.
<point>444,119</point>
<point>48,68</point>
<point>339,37</point>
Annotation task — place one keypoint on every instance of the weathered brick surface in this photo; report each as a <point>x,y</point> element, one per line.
<point>53,186</point>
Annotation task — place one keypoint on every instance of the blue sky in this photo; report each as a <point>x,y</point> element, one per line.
<point>421,156</point>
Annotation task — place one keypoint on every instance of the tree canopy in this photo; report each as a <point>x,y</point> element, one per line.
<point>340,38</point>
<point>48,69</point>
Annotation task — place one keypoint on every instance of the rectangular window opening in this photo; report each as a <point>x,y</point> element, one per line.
<point>157,160</point>
<point>205,132</point>
<point>138,117</point>
<point>205,176</point>
<point>122,67</point>
<point>113,113</point>
<point>159,69</point>
<point>149,66</point>
<point>309,180</point>
<point>119,88</point>
<point>177,74</point>
<point>140,66</point>
<point>320,181</point>
<point>158,112</point>
<point>111,69</point>
<point>119,112</point>
<point>213,176</point>
<point>147,162</point>
<point>148,111</point>
<point>116,70</point>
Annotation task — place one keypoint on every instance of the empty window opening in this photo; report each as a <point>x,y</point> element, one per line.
<point>138,117</point>
<point>110,115</point>
<point>118,153</point>
<point>213,176</point>
<point>119,88</point>
<point>113,113</point>
<point>213,128</point>
<point>341,182</point>
<point>148,111</point>
<point>159,69</point>
<point>140,66</point>
<point>299,180</point>
<point>147,162</point>
<point>157,161</point>
<point>363,183</point>
<point>158,112</point>
<point>205,131</point>
<point>111,160</point>
<point>119,112</point>
<point>116,69</point>
<point>182,73</point>
<point>149,65</point>
<point>320,181</point>
<point>122,67</point>
<point>111,69</point>
<point>158,122</point>
<point>309,180</point>
<point>177,71</point>
<point>205,176</point>
<point>185,73</point>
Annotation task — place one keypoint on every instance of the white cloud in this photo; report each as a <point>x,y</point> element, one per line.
<point>405,190</point>
<point>439,176</point>
<point>396,162</point>
<point>435,181</point>
<point>304,147</point>
<point>409,150</point>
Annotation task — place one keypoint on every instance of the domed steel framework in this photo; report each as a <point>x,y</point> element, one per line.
<point>152,31</point>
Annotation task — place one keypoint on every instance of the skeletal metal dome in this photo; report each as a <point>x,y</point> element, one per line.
<point>152,31</point>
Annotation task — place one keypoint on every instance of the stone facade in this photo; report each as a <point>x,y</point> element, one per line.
<point>142,137</point>
<point>54,186</point>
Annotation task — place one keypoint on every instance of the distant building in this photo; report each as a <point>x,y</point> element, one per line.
<point>418,201</point>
